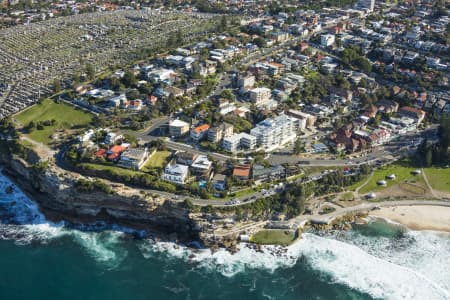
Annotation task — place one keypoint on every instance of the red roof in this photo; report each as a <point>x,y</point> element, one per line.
<point>201,128</point>
<point>241,171</point>
<point>117,149</point>
<point>100,153</point>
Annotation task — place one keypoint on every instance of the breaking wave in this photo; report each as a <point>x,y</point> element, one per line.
<point>21,221</point>
<point>415,266</point>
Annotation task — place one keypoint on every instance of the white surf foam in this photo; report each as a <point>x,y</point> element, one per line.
<point>25,224</point>
<point>345,263</point>
<point>222,261</point>
<point>420,271</point>
<point>423,251</point>
<point>350,265</point>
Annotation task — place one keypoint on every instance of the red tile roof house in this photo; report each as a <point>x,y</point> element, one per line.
<point>100,153</point>
<point>113,154</point>
<point>242,172</point>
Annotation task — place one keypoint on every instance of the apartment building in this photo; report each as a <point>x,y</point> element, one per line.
<point>178,128</point>
<point>310,120</point>
<point>199,132</point>
<point>260,95</point>
<point>217,133</point>
<point>272,133</point>
<point>240,140</point>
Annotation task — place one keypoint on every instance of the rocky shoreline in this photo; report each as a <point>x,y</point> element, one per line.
<point>55,192</point>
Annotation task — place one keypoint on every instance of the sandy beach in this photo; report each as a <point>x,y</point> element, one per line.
<point>421,217</point>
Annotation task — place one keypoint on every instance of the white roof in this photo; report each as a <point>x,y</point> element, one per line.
<point>178,123</point>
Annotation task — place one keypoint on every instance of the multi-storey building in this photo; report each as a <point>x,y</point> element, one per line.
<point>260,95</point>
<point>217,133</point>
<point>240,140</point>
<point>199,132</point>
<point>178,128</point>
<point>272,133</point>
<point>176,173</point>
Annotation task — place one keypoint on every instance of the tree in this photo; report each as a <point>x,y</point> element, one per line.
<point>228,94</point>
<point>90,71</point>
<point>298,146</point>
<point>56,85</point>
<point>428,157</point>
<point>129,79</point>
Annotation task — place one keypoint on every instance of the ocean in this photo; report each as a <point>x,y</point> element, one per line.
<point>379,260</point>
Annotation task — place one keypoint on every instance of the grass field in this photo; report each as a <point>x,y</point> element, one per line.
<point>347,196</point>
<point>65,115</point>
<point>273,237</point>
<point>113,169</point>
<point>158,160</point>
<point>439,178</point>
<point>401,172</point>
<point>356,185</point>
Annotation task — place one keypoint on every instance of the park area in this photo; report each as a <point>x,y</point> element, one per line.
<point>64,116</point>
<point>403,176</point>
<point>439,178</point>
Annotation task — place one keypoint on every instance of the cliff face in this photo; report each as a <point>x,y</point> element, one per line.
<point>55,192</point>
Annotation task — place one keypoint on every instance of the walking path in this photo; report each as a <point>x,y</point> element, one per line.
<point>433,193</point>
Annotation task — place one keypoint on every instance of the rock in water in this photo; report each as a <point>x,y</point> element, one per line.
<point>9,190</point>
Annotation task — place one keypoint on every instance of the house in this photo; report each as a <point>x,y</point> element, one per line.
<point>242,172</point>
<point>113,154</point>
<point>186,158</point>
<point>161,75</point>
<point>219,182</point>
<point>117,101</point>
<point>199,132</point>
<point>202,167</point>
<point>176,173</point>
<point>178,128</point>
<point>262,174</point>
<point>174,91</point>
<point>134,158</point>
<point>112,137</point>
<point>152,100</point>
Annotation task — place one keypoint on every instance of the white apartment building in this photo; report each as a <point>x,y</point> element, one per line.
<point>260,95</point>
<point>327,40</point>
<point>272,133</point>
<point>244,140</point>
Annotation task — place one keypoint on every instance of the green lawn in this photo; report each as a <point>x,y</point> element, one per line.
<point>66,116</point>
<point>402,174</point>
<point>158,160</point>
<point>347,196</point>
<point>356,185</point>
<point>439,178</point>
<point>273,237</point>
<point>113,169</point>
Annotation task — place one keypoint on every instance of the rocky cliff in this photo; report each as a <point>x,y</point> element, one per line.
<point>55,191</point>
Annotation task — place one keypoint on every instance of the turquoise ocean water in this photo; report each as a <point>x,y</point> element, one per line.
<point>380,260</point>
